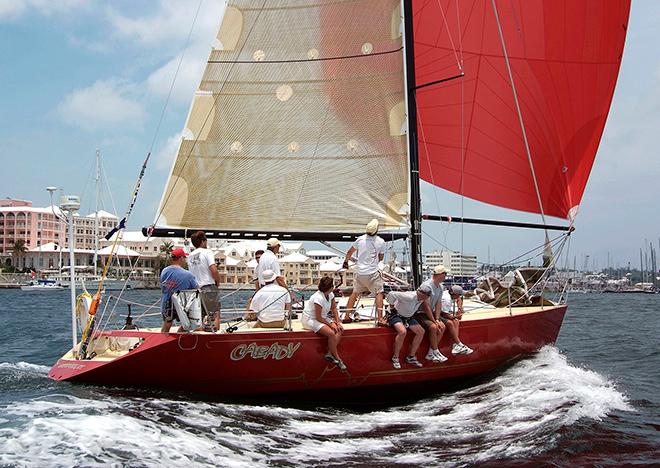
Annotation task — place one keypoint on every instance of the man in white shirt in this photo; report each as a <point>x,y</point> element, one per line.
<point>201,263</point>
<point>370,251</point>
<point>403,306</point>
<point>271,303</point>
<point>452,312</point>
<point>268,261</point>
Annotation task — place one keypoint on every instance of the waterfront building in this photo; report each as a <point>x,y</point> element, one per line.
<point>457,264</point>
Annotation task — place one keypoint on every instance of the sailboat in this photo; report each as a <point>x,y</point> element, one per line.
<point>312,117</point>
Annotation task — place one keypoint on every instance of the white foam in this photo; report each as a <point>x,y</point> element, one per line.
<point>515,414</point>
<point>25,366</point>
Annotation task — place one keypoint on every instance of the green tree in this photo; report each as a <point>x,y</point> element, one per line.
<point>166,247</point>
<point>18,248</point>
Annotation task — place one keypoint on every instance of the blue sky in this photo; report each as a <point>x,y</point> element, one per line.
<point>76,75</point>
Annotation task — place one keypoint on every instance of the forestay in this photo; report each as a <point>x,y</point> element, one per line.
<point>298,124</point>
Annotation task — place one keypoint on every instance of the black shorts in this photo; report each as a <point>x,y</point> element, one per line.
<point>395,318</point>
<point>170,314</point>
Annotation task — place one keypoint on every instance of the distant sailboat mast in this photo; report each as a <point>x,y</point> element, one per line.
<point>96,219</point>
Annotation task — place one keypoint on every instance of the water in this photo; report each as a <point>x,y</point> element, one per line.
<point>592,399</point>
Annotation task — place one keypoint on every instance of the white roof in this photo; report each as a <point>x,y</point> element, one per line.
<point>231,261</point>
<point>32,209</point>
<point>329,267</point>
<point>321,253</point>
<point>52,247</point>
<point>294,258</point>
<point>101,214</point>
<point>120,251</point>
<point>252,263</point>
<point>291,245</point>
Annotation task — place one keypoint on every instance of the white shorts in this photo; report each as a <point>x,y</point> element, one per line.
<point>309,323</point>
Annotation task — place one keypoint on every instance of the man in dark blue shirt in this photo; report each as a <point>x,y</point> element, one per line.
<point>172,279</point>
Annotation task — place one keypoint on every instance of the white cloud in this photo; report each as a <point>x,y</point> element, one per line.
<point>170,25</point>
<point>188,78</point>
<point>165,156</point>
<point>109,103</point>
<point>13,9</point>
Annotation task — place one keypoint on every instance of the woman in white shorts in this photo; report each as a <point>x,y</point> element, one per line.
<point>321,316</point>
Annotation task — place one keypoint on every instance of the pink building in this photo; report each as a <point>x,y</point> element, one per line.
<point>19,220</point>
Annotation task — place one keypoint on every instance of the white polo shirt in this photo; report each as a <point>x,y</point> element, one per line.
<point>268,261</point>
<point>369,248</point>
<point>269,302</point>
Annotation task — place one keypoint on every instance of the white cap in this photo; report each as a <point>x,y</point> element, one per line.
<point>439,269</point>
<point>269,276</point>
<point>272,242</point>
<point>372,227</point>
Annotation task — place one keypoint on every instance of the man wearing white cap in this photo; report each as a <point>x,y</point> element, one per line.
<point>452,312</point>
<point>370,251</point>
<point>268,261</point>
<point>271,302</point>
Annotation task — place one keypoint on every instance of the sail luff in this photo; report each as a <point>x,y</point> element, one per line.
<point>413,145</point>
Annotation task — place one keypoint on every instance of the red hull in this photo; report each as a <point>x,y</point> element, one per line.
<point>264,362</point>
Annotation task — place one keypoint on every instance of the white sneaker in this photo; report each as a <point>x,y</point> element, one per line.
<point>395,363</point>
<point>460,348</point>
<point>439,356</point>
<point>431,356</point>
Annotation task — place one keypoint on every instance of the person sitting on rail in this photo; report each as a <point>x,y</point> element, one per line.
<point>403,305</point>
<point>271,302</point>
<point>452,312</point>
<point>172,279</point>
<point>321,316</point>
<point>434,326</point>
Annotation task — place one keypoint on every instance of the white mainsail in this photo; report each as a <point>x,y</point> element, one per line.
<point>298,124</point>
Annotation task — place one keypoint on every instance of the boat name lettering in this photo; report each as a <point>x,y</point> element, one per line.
<point>70,366</point>
<point>275,351</point>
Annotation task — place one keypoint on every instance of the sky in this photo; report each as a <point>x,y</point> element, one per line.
<point>77,75</point>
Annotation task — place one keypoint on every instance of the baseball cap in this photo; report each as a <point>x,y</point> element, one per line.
<point>272,242</point>
<point>178,253</point>
<point>439,269</point>
<point>425,289</point>
<point>457,290</point>
<point>372,227</point>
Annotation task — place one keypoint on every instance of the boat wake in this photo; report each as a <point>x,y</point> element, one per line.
<point>519,413</point>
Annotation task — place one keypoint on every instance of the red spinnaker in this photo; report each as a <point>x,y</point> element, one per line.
<point>564,56</point>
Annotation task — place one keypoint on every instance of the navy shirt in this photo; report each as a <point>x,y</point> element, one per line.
<point>172,279</point>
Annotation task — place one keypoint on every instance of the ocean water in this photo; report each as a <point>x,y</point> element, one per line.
<point>593,399</point>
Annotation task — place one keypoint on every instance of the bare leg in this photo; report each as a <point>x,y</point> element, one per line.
<point>417,340</point>
<point>166,327</point>
<point>434,337</point>
<point>400,330</point>
<point>332,340</point>
<point>452,326</point>
<point>379,305</point>
<point>216,321</point>
<point>350,305</point>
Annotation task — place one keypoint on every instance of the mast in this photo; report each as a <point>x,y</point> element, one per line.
<point>96,220</point>
<point>413,153</point>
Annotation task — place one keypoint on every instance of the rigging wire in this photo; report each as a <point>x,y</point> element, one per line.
<point>519,111</point>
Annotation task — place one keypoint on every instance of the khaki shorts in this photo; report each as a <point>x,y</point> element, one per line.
<point>372,283</point>
<point>276,324</point>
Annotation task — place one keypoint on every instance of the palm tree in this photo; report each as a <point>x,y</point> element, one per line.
<point>18,248</point>
<point>166,247</point>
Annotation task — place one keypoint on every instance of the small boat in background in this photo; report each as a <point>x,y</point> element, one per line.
<point>43,284</point>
